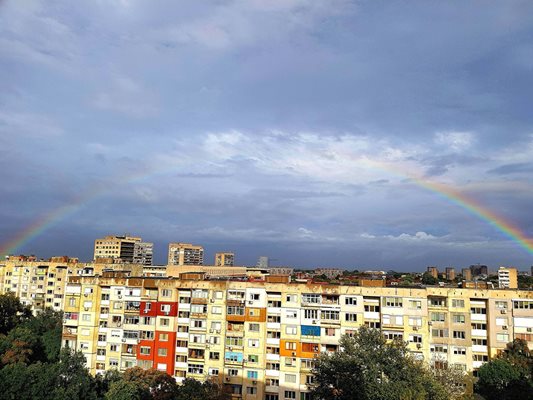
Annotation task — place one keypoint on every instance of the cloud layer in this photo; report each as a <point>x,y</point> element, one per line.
<point>294,129</point>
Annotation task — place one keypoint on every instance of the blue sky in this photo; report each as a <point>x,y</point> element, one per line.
<point>279,128</point>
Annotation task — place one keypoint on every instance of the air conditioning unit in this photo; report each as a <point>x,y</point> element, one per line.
<point>529,329</point>
<point>293,353</point>
<point>119,323</point>
<point>504,327</point>
<point>212,300</point>
<point>86,294</point>
<point>146,311</point>
<point>415,328</point>
<point>250,302</point>
<point>503,311</point>
<point>123,340</point>
<point>86,308</point>
<point>227,378</point>
<point>430,323</point>
<point>314,321</point>
<point>254,382</point>
<point>211,331</point>
<point>119,296</point>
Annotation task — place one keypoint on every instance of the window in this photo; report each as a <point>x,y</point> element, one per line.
<point>371,308</point>
<point>292,298</point>
<point>166,293</point>
<point>415,321</point>
<point>253,327</point>
<point>350,301</point>
<point>502,305</point>
<point>86,317</point>
<point>145,350</point>
<point>291,330</point>
<point>311,314</point>
<point>255,296</point>
<point>459,351</point>
<point>253,358</point>
<point>164,322</point>
<point>480,326</point>
<point>213,371</point>
<point>214,355</point>
<point>252,374</point>
<point>415,338</point>
<point>195,369</point>
<point>415,304</point>
<point>438,349</point>
<point>458,318</point>
<point>162,352</point>
<point>290,314</point>
<point>438,317</point>
<point>502,337</point>
<point>393,302</point>
<point>235,310</point>
<point>478,310</point>
<point>330,331</point>
<point>216,310</point>
<point>290,394</point>
<point>523,304</point>
<point>252,390</point>
<point>163,337</point>
<point>458,303</point>
<point>350,317</point>
<point>439,333</point>
<point>459,335</point>
<point>290,346</point>
<point>330,314</point>
<point>311,298</point>
<point>479,342</point>
<point>291,378</point>
<point>233,372</point>
<point>253,343</point>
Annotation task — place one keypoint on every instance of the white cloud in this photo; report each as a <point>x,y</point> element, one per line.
<point>28,124</point>
<point>455,140</point>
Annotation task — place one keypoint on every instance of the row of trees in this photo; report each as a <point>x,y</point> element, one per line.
<point>32,365</point>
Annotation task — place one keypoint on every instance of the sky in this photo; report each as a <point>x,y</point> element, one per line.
<point>295,129</point>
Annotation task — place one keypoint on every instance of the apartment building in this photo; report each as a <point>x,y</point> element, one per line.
<point>224,259</point>
<point>260,338</point>
<point>185,254</point>
<point>123,249</point>
<point>41,284</point>
<point>507,278</point>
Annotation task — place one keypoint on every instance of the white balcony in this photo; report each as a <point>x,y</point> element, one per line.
<point>273,325</point>
<point>272,357</point>
<point>182,365</point>
<point>477,364</point>
<point>184,320</point>
<point>273,310</point>
<point>272,372</point>
<point>371,315</point>
<point>479,349</point>
<point>478,317</point>
<point>182,350</point>
<point>482,333</point>
<point>182,335</point>
<point>272,341</point>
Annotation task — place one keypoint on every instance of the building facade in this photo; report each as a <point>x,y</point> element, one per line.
<point>120,249</point>
<point>185,254</point>
<point>224,259</point>
<point>143,253</point>
<point>260,338</point>
<point>507,278</point>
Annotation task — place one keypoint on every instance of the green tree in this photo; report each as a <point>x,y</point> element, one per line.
<point>12,312</point>
<point>428,279</point>
<point>370,368</point>
<point>19,346</point>
<point>510,375</point>
<point>191,389</point>
<point>153,384</point>
<point>124,390</point>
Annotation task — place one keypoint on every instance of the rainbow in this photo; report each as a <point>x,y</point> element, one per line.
<point>45,222</point>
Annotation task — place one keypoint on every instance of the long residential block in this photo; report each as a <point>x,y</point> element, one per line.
<point>260,338</point>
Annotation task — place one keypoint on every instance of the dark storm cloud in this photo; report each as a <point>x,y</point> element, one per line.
<point>280,127</point>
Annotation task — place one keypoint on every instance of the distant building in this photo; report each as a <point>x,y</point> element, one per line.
<point>263,262</point>
<point>507,278</point>
<point>224,259</point>
<point>143,253</point>
<point>450,273</point>
<point>330,273</point>
<point>467,274</point>
<point>281,271</point>
<point>120,249</point>
<point>479,269</point>
<point>434,272</point>
<point>185,254</point>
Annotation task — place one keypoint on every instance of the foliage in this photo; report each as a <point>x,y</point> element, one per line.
<point>509,376</point>
<point>370,368</point>
<point>12,312</point>
<point>428,279</point>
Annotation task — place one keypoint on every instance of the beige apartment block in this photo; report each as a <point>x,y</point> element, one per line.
<point>260,338</point>
<point>507,278</point>
<point>185,254</point>
<point>125,249</point>
<point>224,259</point>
